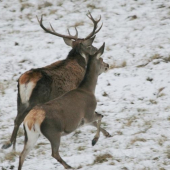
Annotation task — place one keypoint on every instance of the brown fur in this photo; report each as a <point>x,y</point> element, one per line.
<point>29,76</point>
<point>57,63</point>
<point>35,116</point>
<point>63,76</point>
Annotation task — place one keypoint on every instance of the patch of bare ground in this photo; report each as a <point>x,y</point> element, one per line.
<point>137,140</point>
<point>114,65</point>
<point>102,158</point>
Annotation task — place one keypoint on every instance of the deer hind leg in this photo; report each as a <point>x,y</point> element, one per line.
<point>54,138</point>
<point>19,119</point>
<point>30,140</point>
<point>13,136</point>
<point>17,122</point>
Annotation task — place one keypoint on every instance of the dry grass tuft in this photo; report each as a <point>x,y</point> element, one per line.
<point>167,59</point>
<point>77,132</point>
<point>112,163</point>
<point>119,132</point>
<point>92,6</point>
<point>130,120</point>
<point>155,56</point>
<point>162,169</point>
<point>168,153</point>
<point>40,144</point>
<point>79,167</point>
<point>162,88</point>
<point>11,156</point>
<point>153,101</point>
<point>141,110</point>
<point>2,88</point>
<point>133,17</point>
<point>81,148</point>
<point>149,79</point>
<point>104,94</point>
<point>25,6</point>
<point>103,158</point>
<point>138,140</point>
<point>53,11</point>
<point>159,94</point>
<point>114,65</point>
<point>78,23</point>
<point>59,3</point>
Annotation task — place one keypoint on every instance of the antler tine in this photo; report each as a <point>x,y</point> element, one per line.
<point>38,19</point>
<point>52,27</point>
<point>54,32</point>
<point>91,17</point>
<point>99,29</point>
<point>95,22</point>
<point>76,32</point>
<point>76,35</point>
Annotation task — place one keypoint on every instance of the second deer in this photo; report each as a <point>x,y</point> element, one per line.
<point>65,114</point>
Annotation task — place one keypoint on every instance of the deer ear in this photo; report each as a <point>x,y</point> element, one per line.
<point>88,42</point>
<point>100,51</point>
<point>83,51</point>
<point>68,42</point>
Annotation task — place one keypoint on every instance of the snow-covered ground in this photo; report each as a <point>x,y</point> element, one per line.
<point>133,96</point>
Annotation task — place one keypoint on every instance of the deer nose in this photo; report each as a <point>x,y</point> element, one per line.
<point>107,67</point>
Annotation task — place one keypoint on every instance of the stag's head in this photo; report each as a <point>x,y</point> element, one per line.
<point>73,40</point>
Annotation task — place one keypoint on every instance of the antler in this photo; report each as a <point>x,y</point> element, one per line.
<point>52,31</point>
<point>95,26</point>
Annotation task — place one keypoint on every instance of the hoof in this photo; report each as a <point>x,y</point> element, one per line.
<point>98,114</point>
<point>69,167</point>
<point>108,135</point>
<point>94,141</point>
<point>6,145</point>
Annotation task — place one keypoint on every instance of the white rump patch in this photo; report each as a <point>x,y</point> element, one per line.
<point>26,91</point>
<point>32,139</point>
<point>32,134</point>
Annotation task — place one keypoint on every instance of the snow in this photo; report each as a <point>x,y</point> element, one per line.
<point>134,97</point>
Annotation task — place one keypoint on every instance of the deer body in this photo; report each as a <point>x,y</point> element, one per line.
<point>51,81</point>
<point>65,114</point>
<point>41,85</point>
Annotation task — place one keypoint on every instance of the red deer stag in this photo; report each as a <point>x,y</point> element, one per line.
<point>40,85</point>
<point>65,114</point>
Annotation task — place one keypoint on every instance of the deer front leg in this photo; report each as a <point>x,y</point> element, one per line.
<point>105,133</point>
<point>96,137</point>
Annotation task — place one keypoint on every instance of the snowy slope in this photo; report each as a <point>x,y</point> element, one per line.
<point>133,96</point>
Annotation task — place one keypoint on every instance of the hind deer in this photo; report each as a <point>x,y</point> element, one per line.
<point>40,85</point>
<point>65,114</point>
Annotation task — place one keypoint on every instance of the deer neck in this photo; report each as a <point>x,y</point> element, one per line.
<point>90,79</point>
<point>74,55</point>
